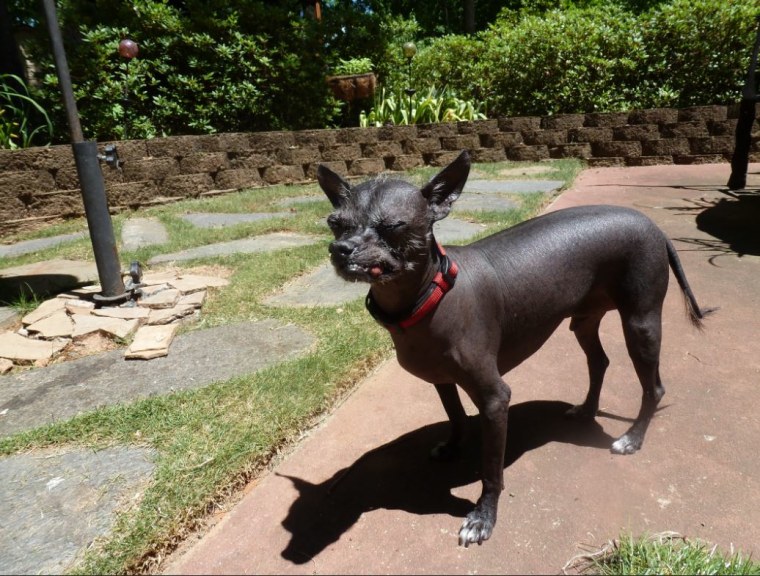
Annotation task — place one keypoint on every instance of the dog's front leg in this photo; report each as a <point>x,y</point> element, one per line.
<point>457,417</point>
<point>492,399</point>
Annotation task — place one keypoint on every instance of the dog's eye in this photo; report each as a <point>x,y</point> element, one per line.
<point>335,223</point>
<point>385,227</point>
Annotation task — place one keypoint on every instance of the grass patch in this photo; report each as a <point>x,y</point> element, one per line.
<point>211,441</point>
<point>666,553</point>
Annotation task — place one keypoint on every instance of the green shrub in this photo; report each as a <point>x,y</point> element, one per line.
<point>698,50</point>
<point>601,57</point>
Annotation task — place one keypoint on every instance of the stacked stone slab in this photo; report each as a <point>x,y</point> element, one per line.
<point>41,183</point>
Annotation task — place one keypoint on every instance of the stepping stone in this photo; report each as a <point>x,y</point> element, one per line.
<point>527,171</point>
<point>126,313</point>
<point>217,220</point>
<point>190,283</point>
<point>452,230</point>
<point>152,342</point>
<point>167,315</point>
<point>47,308</point>
<point>28,246</point>
<point>161,299</point>
<point>321,287</point>
<point>196,299</point>
<point>8,317</point>
<point>475,202</point>
<point>264,243</point>
<point>56,325</point>
<point>287,202</point>
<point>512,186</point>
<point>55,503</point>
<point>139,232</point>
<point>60,391</point>
<point>16,347</point>
<point>87,323</point>
<point>45,277</point>
<point>5,365</point>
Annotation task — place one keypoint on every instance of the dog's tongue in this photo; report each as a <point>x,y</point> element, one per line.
<point>376,271</point>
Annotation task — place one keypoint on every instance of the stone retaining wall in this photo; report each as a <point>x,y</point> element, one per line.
<point>41,183</point>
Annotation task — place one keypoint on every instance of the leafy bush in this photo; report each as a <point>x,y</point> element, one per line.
<point>600,57</point>
<point>23,122</point>
<point>698,50</point>
<point>435,106</point>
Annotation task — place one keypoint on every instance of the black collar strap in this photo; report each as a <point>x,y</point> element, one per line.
<point>441,283</point>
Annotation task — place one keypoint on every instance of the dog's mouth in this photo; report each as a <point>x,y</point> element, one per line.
<point>353,271</point>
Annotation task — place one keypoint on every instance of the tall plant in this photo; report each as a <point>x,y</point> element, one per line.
<point>23,122</point>
<point>435,106</point>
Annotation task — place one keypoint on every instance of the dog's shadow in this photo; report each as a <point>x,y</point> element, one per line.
<point>400,476</point>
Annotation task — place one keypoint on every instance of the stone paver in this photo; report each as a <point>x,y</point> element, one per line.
<point>88,323</point>
<point>511,186</point>
<point>8,317</point>
<point>16,347</point>
<point>263,243</point>
<point>55,503</point>
<point>45,277</point>
<point>29,246</point>
<point>151,341</point>
<point>295,201</point>
<point>139,232</point>
<point>47,308</point>
<point>220,220</point>
<point>61,391</point>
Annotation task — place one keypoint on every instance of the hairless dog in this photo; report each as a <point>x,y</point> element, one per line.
<point>466,315</point>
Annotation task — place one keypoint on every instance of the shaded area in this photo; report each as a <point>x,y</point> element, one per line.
<point>400,475</point>
<point>14,288</point>
<point>734,222</point>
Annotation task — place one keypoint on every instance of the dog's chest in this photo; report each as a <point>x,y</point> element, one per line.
<point>426,359</point>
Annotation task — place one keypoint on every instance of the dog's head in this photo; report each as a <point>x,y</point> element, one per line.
<point>384,227</point>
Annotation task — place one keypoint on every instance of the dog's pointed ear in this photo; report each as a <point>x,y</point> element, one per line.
<point>446,186</point>
<point>335,187</point>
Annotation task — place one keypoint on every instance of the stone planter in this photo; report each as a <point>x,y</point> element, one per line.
<point>353,87</point>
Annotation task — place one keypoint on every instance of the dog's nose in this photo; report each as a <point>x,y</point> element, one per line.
<point>342,248</point>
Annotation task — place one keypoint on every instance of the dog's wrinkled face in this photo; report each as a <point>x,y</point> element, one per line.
<point>384,227</point>
<point>380,228</point>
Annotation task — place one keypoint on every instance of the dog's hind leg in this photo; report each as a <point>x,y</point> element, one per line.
<point>643,334</point>
<point>457,416</point>
<point>586,330</point>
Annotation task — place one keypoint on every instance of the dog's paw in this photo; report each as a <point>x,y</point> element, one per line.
<point>477,528</point>
<point>626,444</point>
<point>581,412</point>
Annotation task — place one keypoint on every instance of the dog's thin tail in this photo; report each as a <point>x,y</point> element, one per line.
<point>695,313</point>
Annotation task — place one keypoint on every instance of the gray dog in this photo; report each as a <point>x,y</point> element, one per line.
<point>467,315</point>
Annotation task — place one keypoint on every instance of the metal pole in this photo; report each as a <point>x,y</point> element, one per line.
<point>740,159</point>
<point>90,176</point>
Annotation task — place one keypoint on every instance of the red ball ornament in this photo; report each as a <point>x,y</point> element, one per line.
<point>128,48</point>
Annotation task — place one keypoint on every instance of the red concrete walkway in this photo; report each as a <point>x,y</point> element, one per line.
<point>398,513</point>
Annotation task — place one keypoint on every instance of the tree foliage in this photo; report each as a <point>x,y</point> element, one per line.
<point>246,65</point>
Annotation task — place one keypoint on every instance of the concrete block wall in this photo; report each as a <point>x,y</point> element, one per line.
<point>38,184</point>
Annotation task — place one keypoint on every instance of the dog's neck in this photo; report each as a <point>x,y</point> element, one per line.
<point>400,294</point>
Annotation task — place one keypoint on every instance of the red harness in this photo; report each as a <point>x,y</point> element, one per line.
<point>441,283</point>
